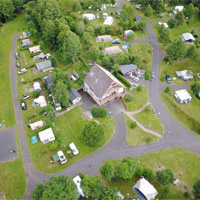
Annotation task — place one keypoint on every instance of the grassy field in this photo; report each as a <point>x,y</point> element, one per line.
<point>70,127</point>
<point>149,119</point>
<point>140,98</point>
<point>6,39</point>
<point>186,114</point>
<point>137,136</point>
<point>185,168</point>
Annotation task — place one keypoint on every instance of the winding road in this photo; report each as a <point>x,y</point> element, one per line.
<point>117,147</point>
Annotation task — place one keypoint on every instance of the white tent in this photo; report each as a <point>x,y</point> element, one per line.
<point>109,20</point>
<point>36,125</point>
<point>35,49</point>
<point>178,9</point>
<point>144,189</point>
<point>185,75</point>
<point>46,136</point>
<point>128,32</point>
<point>40,101</point>
<point>77,181</point>
<point>89,16</point>
<point>183,96</point>
<point>36,86</point>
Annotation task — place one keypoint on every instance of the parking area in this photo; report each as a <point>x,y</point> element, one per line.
<point>8,145</point>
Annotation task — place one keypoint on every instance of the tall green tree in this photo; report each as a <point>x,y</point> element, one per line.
<point>6,10</point>
<point>195,88</point>
<point>189,11</point>
<point>163,35</point>
<point>196,190</point>
<point>107,170</point>
<point>158,6</point>
<point>109,194</point>
<point>87,39</point>
<point>80,28</point>
<point>192,53</point>
<point>59,187</point>
<point>176,50</point>
<point>179,18</point>
<point>165,177</point>
<point>148,11</point>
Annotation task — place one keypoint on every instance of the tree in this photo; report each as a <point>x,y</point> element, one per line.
<point>106,62</point>
<point>90,30</point>
<point>59,187</point>
<point>176,50</point>
<point>148,11</point>
<point>109,194</point>
<point>163,35</point>
<point>195,88</point>
<point>196,190</point>
<point>192,53</point>
<point>107,170</point>
<point>87,39</point>
<point>158,6</point>
<point>99,112</point>
<point>141,26</point>
<point>76,6</point>
<point>172,23</point>
<point>167,89</point>
<point>115,67</point>
<point>189,11</point>
<point>53,62</point>
<point>165,177</point>
<point>139,171</point>
<point>93,134</point>
<point>179,18</point>
<point>80,28</point>
<point>126,169</point>
<point>6,10</point>
<point>92,187</point>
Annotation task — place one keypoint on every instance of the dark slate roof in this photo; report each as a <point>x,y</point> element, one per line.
<point>99,80</point>
<point>43,65</point>
<point>127,68</point>
<point>49,83</point>
<point>73,94</point>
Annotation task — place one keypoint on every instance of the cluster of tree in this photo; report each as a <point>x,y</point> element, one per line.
<point>44,18</point>
<point>177,50</point>
<point>61,84</point>
<point>195,88</point>
<point>163,35</point>
<point>99,112</point>
<point>93,134</point>
<point>196,190</point>
<point>165,177</point>
<point>8,8</point>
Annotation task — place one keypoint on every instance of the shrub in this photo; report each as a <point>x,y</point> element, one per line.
<point>99,112</point>
<point>133,125</point>
<point>36,94</point>
<point>147,109</point>
<point>186,194</point>
<point>167,89</point>
<point>148,139</point>
<point>165,177</point>
<point>139,170</point>
<point>147,74</point>
<point>139,88</point>
<point>128,98</point>
<point>107,170</point>
<point>147,172</point>
<point>53,62</point>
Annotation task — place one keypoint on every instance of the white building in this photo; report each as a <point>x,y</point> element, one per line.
<point>185,75</point>
<point>77,181</point>
<point>36,87</point>
<point>109,20</point>
<point>144,189</point>
<point>89,16</point>
<point>188,38</point>
<point>182,96</point>
<point>178,9</point>
<point>46,136</point>
<point>164,24</point>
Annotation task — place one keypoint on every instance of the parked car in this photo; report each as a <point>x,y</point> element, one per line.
<point>98,15</point>
<point>198,74</point>
<point>62,158</point>
<point>116,41</point>
<point>18,64</point>
<point>198,95</point>
<point>48,55</point>
<point>73,149</point>
<point>117,13</point>
<point>17,56</point>
<point>23,105</point>
<point>22,71</point>
<point>58,106</point>
<point>168,78</point>
<point>26,96</point>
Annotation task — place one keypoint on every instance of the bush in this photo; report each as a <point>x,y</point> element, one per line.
<point>139,88</point>
<point>139,170</point>
<point>186,194</point>
<point>147,172</point>
<point>147,74</point>
<point>99,112</point>
<point>53,146</point>
<point>148,139</point>
<point>128,98</point>
<point>147,109</point>
<point>53,62</point>
<point>36,94</point>
<point>133,125</point>
<point>167,89</point>
<point>107,170</point>
<point>165,177</point>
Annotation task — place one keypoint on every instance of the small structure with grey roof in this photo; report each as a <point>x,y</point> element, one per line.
<point>75,97</point>
<point>44,66</point>
<point>102,86</point>
<point>127,69</point>
<point>74,76</point>
<point>26,43</point>
<point>24,35</point>
<point>188,38</point>
<point>111,51</point>
<point>104,38</point>
<point>48,82</point>
<point>39,57</point>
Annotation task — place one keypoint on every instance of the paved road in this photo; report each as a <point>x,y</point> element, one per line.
<point>117,147</point>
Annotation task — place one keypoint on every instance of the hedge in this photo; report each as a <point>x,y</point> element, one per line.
<point>122,79</point>
<point>99,112</point>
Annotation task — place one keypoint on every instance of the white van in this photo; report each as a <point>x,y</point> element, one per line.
<point>73,149</point>
<point>62,158</point>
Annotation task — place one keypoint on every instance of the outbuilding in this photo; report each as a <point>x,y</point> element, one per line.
<point>75,97</point>
<point>111,50</point>
<point>104,38</point>
<point>46,136</point>
<point>89,16</point>
<point>182,96</point>
<point>37,125</point>
<point>39,57</point>
<point>188,38</point>
<point>109,20</point>
<point>127,69</point>
<point>36,87</point>
<point>144,189</point>
<point>185,75</point>
<point>44,66</point>
<point>35,49</point>
<point>26,43</point>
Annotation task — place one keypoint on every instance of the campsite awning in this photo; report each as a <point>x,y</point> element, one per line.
<point>55,157</point>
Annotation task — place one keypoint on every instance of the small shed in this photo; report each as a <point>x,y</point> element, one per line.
<point>39,57</point>
<point>40,101</point>
<point>185,75</point>
<point>44,66</point>
<point>37,87</point>
<point>104,38</point>
<point>37,125</point>
<point>46,136</point>
<point>128,32</point>
<point>89,16</point>
<point>74,76</point>
<point>24,35</point>
<point>182,96</point>
<point>35,49</point>
<point>77,181</point>
<point>188,38</point>
<point>109,20</point>
<point>127,69</point>
<point>111,50</point>
<point>26,43</point>
<point>48,82</point>
<point>75,97</point>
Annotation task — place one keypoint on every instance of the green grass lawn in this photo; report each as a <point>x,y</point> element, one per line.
<point>183,163</point>
<point>149,119</point>
<point>137,136</point>
<point>186,64</point>
<point>140,98</point>
<point>70,126</point>
<point>186,114</point>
